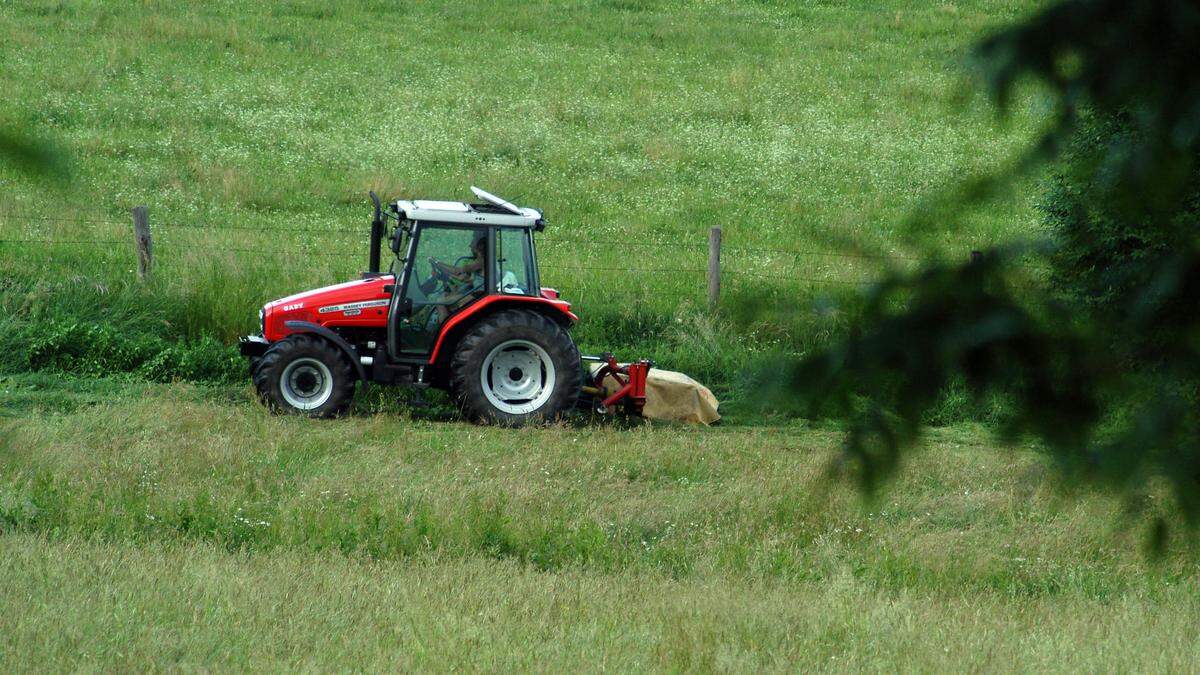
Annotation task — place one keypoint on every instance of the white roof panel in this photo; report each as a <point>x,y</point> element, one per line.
<point>440,206</point>
<point>459,212</point>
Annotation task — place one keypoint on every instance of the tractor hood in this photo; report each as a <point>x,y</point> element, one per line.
<point>362,302</point>
<point>335,293</point>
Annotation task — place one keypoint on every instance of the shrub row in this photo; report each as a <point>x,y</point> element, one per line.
<point>93,349</point>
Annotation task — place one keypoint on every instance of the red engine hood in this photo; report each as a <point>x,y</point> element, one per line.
<point>362,302</point>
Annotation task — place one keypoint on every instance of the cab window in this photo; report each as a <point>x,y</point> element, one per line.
<point>514,260</point>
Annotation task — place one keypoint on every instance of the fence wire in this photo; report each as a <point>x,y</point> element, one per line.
<point>65,219</point>
<point>551,245</point>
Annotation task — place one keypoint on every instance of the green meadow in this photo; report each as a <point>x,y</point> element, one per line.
<point>154,517</point>
<point>253,132</point>
<point>163,527</point>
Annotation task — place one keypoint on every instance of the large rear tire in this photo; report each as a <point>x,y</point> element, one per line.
<point>515,367</point>
<point>305,375</point>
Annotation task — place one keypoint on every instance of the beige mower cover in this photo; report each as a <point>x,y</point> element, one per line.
<point>673,396</point>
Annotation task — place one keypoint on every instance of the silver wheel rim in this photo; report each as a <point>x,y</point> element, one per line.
<point>306,384</point>
<point>517,377</point>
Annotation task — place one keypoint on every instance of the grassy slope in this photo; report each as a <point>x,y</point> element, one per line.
<point>788,124</point>
<point>195,529</point>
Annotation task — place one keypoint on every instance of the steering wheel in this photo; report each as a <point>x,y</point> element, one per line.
<point>437,270</point>
<point>437,275</point>
<point>440,271</point>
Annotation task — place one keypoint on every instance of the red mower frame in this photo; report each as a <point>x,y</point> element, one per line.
<point>632,380</point>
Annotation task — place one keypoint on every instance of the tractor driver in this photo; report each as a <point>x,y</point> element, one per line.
<point>460,280</point>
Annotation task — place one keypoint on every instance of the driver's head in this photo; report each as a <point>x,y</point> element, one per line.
<point>479,246</point>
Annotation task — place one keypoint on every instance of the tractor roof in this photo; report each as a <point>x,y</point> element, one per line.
<point>494,211</point>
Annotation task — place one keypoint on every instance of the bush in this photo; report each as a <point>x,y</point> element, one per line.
<point>1105,255</point>
<point>205,359</point>
<point>87,349</point>
<point>103,349</point>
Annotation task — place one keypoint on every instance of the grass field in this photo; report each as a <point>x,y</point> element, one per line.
<point>253,132</point>
<point>194,606</point>
<point>150,525</point>
<point>178,526</point>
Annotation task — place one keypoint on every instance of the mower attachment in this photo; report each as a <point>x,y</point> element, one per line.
<point>648,391</point>
<point>631,378</point>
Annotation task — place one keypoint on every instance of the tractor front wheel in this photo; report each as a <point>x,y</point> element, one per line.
<point>516,367</point>
<point>305,374</point>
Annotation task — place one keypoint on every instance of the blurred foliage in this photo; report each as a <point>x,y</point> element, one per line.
<point>1103,254</point>
<point>1125,132</point>
<point>1111,57</point>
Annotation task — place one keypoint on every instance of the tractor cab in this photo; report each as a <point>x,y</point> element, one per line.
<point>451,255</point>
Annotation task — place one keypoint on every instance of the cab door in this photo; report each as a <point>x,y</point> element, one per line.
<point>445,271</point>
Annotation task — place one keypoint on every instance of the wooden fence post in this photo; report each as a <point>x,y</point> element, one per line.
<point>141,238</point>
<point>714,268</point>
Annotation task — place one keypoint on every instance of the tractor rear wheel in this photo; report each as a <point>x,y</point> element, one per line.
<point>305,375</point>
<point>515,367</point>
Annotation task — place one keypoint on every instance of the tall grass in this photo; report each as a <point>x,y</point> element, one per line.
<point>184,606</point>
<point>166,328</point>
<point>132,512</point>
<point>184,464</point>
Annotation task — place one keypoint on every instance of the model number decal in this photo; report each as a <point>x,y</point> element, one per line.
<point>352,308</point>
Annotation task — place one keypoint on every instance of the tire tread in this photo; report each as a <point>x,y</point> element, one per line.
<point>268,369</point>
<point>509,324</point>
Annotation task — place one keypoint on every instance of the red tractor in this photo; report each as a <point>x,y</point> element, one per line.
<point>461,309</point>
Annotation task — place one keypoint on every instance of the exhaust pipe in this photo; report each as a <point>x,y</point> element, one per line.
<point>376,236</point>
